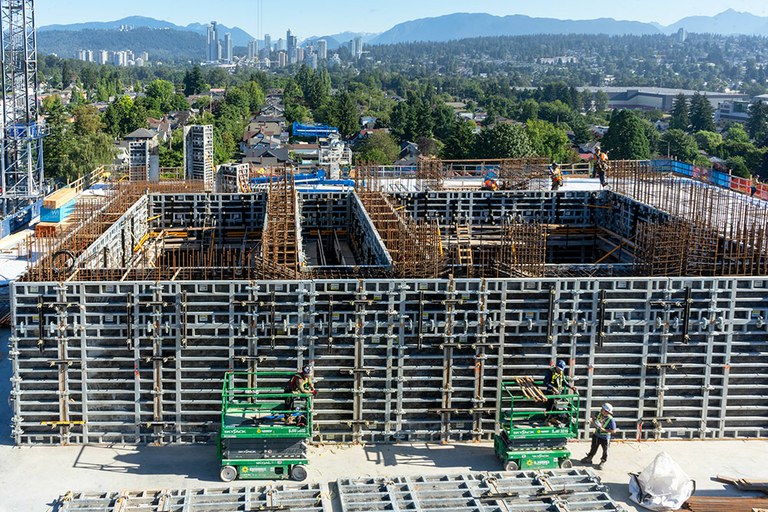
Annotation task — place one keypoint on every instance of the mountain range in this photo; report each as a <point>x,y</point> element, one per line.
<point>239,36</point>
<point>97,35</point>
<point>466,25</point>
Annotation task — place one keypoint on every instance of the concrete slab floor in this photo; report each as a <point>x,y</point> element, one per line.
<point>33,477</point>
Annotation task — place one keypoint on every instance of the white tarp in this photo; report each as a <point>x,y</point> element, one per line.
<point>662,486</point>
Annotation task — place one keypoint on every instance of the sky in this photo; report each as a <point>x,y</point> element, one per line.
<point>326,17</point>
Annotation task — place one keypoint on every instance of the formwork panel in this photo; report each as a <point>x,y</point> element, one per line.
<point>142,362</point>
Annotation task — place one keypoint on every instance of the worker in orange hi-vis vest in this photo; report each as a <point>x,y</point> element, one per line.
<point>601,164</point>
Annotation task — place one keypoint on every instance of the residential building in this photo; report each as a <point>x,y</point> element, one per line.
<point>292,45</point>
<point>322,49</point>
<point>267,44</point>
<point>214,46</point>
<point>228,57</point>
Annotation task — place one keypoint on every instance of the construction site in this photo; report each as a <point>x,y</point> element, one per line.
<point>413,297</point>
<point>158,317</point>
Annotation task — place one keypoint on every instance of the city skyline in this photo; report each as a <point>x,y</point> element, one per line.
<point>319,20</point>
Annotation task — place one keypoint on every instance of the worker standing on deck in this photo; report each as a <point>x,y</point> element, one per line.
<point>556,383</point>
<point>604,425</point>
<point>300,383</point>
<point>601,164</point>
<point>556,175</point>
<point>754,182</point>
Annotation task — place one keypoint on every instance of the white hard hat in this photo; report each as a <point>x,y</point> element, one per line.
<point>608,408</point>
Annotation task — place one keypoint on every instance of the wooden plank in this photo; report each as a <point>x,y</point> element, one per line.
<point>59,198</point>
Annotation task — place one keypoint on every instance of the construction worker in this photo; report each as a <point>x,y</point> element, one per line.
<point>300,383</point>
<point>604,425</point>
<point>490,182</point>
<point>754,182</point>
<point>601,164</point>
<point>556,383</point>
<point>556,176</point>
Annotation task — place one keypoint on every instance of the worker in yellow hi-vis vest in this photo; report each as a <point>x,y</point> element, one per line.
<point>604,425</point>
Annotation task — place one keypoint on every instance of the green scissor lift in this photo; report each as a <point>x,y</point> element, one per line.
<point>528,438</point>
<point>257,440</point>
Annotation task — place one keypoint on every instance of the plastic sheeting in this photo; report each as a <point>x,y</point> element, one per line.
<point>662,485</point>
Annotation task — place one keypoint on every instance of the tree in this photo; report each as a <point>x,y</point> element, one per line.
<point>348,114</point>
<point>710,142</point>
<point>461,143</point>
<point>504,141</point>
<point>702,114</point>
<point>757,124</point>
<point>123,116</point>
<point>626,138</point>
<point>679,144</point>
<point>736,133</point>
<point>379,148</point>
<point>529,109</point>
<point>87,120</point>
<point>547,140</point>
<point>737,166</point>
<point>401,122</point>
<point>601,101</point>
<point>194,83</point>
<point>680,119</point>
<point>555,112</point>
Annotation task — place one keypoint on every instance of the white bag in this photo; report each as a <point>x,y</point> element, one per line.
<point>662,486</point>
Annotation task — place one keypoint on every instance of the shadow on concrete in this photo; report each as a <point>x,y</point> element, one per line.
<point>472,456</point>
<point>189,461</point>
<point>6,409</point>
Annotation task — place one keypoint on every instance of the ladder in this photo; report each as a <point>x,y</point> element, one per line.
<point>464,244</point>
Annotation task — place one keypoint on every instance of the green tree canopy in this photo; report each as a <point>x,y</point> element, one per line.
<point>679,144</point>
<point>626,138</point>
<point>548,140</point>
<point>194,82</point>
<point>701,113</point>
<point>680,119</point>
<point>710,142</point>
<point>504,141</point>
<point>461,143</point>
<point>379,148</point>
<point>123,116</point>
<point>757,124</point>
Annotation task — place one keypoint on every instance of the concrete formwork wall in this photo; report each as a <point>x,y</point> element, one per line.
<point>223,211</point>
<point>114,249</point>
<point>140,362</point>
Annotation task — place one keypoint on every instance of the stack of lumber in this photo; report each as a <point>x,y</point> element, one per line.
<point>725,504</point>
<point>46,229</point>
<point>530,390</point>
<point>59,199</point>
<point>58,206</point>
<point>744,484</point>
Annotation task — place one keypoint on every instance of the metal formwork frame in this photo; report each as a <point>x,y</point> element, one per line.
<point>298,498</point>
<point>572,490</point>
<point>140,362</point>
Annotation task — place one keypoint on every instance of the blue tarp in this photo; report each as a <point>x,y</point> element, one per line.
<point>313,130</point>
